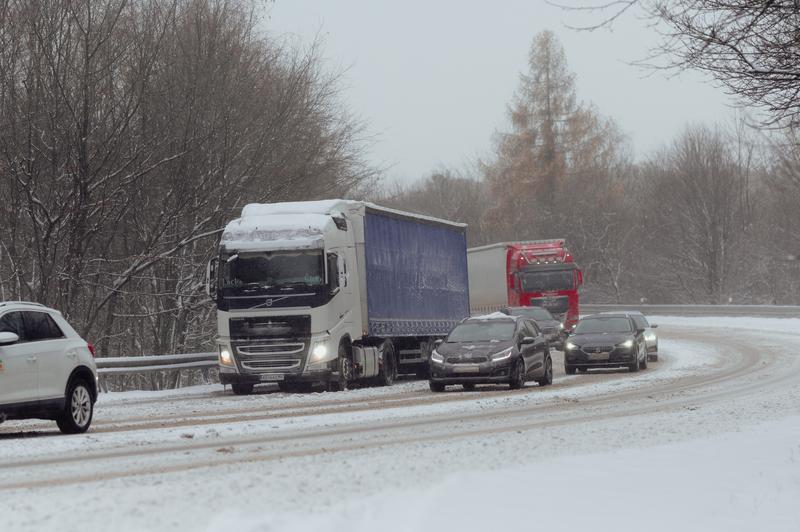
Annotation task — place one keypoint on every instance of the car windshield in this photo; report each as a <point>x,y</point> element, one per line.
<point>543,281</point>
<point>278,268</point>
<point>483,331</point>
<point>535,313</point>
<point>616,324</point>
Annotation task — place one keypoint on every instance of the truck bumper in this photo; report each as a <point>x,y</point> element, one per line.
<point>248,378</point>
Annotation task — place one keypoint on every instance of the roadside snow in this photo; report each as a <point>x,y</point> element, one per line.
<point>743,481</point>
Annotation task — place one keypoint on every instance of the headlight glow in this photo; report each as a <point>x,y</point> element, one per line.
<point>225,357</point>
<point>319,352</point>
<point>436,357</point>
<point>571,346</point>
<point>627,344</point>
<point>650,337</point>
<point>502,355</point>
<point>561,326</point>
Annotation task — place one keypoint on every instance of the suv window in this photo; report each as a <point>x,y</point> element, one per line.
<point>40,326</point>
<point>12,322</point>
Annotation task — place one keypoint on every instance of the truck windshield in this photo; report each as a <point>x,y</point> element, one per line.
<point>482,331</point>
<point>544,281</point>
<point>273,268</point>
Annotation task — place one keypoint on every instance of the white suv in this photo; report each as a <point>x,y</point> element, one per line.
<point>47,370</point>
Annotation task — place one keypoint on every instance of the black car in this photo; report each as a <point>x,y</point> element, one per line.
<point>605,341</point>
<point>492,349</point>
<point>552,329</point>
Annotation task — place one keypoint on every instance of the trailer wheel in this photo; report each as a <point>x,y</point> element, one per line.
<point>388,371</point>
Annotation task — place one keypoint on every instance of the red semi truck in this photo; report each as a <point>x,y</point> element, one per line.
<point>535,273</point>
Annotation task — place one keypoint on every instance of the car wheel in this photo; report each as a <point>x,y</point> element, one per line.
<point>78,409</point>
<point>468,386</point>
<point>242,389</point>
<point>643,362</point>
<point>389,369</point>
<point>569,370</point>
<point>518,375</point>
<point>583,370</point>
<point>547,379</point>
<point>437,386</point>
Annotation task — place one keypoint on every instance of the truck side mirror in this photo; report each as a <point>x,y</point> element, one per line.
<point>211,278</point>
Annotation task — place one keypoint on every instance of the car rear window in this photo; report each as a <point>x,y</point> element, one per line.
<point>41,326</point>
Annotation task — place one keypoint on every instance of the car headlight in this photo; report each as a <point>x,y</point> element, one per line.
<point>650,337</point>
<point>627,344</point>
<point>561,326</point>
<point>570,346</point>
<point>502,355</point>
<point>436,357</point>
<point>225,356</point>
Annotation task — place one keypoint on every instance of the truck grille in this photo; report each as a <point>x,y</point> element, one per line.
<point>274,344</point>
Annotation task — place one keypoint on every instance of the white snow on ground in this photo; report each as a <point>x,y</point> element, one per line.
<point>725,465</point>
<point>746,481</point>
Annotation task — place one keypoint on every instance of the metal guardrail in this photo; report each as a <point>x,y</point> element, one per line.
<point>763,311</point>
<point>113,366</point>
<point>108,367</point>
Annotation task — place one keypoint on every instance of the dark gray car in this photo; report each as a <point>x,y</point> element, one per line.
<point>605,341</point>
<point>493,349</point>
<point>550,326</point>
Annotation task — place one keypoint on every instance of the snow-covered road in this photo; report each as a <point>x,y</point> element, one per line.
<point>707,438</point>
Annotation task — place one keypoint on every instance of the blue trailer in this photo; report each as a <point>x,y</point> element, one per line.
<point>334,291</point>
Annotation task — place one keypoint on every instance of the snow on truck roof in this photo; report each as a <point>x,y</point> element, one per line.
<point>334,207</point>
<point>298,224</point>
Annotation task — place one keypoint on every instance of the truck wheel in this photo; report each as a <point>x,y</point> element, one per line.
<point>345,370</point>
<point>547,378</point>
<point>437,387</point>
<point>242,389</point>
<point>78,409</point>
<point>388,367</point>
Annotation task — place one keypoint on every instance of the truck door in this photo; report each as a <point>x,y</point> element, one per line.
<point>18,364</point>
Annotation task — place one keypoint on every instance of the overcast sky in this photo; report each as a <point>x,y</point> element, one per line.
<point>432,78</point>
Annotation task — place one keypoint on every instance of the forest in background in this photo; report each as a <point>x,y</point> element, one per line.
<point>134,130</point>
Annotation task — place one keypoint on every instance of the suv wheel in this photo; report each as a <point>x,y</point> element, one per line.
<point>78,409</point>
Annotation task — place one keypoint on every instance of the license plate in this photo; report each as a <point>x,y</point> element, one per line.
<point>598,356</point>
<point>471,368</point>
<point>271,378</point>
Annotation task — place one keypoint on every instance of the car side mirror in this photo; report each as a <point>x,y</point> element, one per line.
<point>8,338</point>
<point>528,340</point>
<point>653,326</point>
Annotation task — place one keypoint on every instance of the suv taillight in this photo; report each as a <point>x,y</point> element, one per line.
<point>91,348</point>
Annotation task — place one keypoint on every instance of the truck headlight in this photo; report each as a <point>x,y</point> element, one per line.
<point>225,356</point>
<point>436,357</point>
<point>320,352</point>
<point>502,355</point>
<point>627,344</point>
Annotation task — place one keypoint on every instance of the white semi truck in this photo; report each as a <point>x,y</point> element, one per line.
<point>333,292</point>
